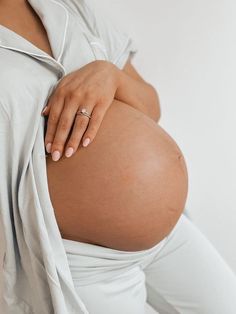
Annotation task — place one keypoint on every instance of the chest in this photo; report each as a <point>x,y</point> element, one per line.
<point>28,74</point>
<point>24,21</point>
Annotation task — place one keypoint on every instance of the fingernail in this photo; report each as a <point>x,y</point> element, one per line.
<point>86,142</point>
<point>56,155</point>
<point>69,152</point>
<point>45,108</point>
<point>48,147</point>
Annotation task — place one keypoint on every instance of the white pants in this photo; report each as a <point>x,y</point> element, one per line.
<point>183,273</point>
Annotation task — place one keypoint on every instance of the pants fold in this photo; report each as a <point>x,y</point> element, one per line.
<point>183,273</point>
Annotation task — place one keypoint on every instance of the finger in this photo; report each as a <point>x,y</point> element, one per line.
<point>80,126</point>
<point>53,118</point>
<point>46,109</point>
<point>63,127</point>
<point>94,124</point>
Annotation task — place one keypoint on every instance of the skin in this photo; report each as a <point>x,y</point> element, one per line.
<point>95,84</point>
<point>128,188</point>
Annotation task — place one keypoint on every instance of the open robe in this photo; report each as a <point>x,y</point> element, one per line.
<point>35,277</point>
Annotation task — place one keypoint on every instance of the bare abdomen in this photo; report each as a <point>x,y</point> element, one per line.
<point>126,190</point>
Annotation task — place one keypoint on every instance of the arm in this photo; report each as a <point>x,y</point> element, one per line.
<point>133,90</point>
<point>137,93</point>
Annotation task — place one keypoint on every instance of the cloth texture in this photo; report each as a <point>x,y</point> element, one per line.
<point>183,273</point>
<point>35,276</point>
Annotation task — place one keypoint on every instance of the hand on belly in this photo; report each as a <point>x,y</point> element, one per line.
<point>126,190</point>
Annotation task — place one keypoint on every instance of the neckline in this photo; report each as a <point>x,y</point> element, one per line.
<point>27,42</point>
<point>54,18</point>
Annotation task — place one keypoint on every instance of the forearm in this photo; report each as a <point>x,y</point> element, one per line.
<point>140,95</point>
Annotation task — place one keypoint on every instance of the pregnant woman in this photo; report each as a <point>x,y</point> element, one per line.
<point>92,213</point>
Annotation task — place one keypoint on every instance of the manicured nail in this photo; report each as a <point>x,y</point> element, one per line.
<point>48,147</point>
<point>45,108</point>
<point>56,155</point>
<point>86,142</point>
<point>69,152</point>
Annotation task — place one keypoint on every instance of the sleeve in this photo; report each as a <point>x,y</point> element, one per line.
<point>120,46</point>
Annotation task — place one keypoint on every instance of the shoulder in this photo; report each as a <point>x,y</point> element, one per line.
<point>81,7</point>
<point>83,11</point>
<point>117,43</point>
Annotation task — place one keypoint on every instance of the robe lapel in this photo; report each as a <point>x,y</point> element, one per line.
<point>54,17</point>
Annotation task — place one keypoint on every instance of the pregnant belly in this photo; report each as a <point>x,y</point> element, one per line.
<point>126,190</point>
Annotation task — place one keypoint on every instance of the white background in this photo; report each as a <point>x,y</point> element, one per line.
<point>187,51</point>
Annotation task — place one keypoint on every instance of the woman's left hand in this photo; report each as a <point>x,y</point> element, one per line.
<point>92,87</point>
